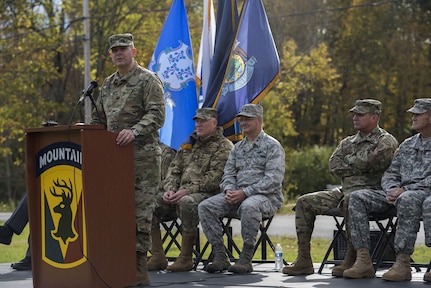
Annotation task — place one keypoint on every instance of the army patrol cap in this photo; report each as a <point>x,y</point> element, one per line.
<point>367,106</point>
<point>205,113</point>
<point>251,110</point>
<point>120,40</point>
<point>421,106</point>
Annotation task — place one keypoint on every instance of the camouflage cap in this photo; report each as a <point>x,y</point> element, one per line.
<point>251,110</point>
<point>421,106</point>
<point>205,113</point>
<point>367,106</point>
<point>120,40</point>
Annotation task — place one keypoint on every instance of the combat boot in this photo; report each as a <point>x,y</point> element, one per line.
<point>244,263</point>
<point>427,276</point>
<point>348,261</point>
<point>362,268</point>
<point>303,265</point>
<point>401,270</point>
<point>158,259</point>
<point>184,262</point>
<point>220,262</point>
<point>141,269</point>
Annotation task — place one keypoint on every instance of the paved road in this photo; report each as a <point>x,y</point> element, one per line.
<point>323,227</point>
<point>285,225</point>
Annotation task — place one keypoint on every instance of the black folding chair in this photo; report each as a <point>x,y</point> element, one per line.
<point>383,243</point>
<point>232,249</point>
<point>172,226</point>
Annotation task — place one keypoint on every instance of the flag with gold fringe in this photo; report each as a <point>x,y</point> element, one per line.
<point>253,67</point>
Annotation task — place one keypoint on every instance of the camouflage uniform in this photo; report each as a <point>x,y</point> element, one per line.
<point>198,169</point>
<point>136,101</point>
<point>168,154</point>
<point>426,214</point>
<point>258,169</point>
<point>359,161</point>
<point>410,169</point>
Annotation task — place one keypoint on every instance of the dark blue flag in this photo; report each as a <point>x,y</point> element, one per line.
<point>226,26</point>
<point>173,62</point>
<point>253,66</point>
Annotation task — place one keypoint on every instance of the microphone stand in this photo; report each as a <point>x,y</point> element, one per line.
<point>89,94</point>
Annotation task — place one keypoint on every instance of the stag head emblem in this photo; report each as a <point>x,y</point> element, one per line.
<point>64,190</point>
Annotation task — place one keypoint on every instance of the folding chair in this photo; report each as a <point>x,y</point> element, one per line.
<point>388,242</point>
<point>336,214</point>
<point>385,242</point>
<point>172,226</point>
<point>232,248</point>
<point>382,244</point>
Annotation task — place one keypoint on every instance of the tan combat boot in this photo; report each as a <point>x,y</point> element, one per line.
<point>141,269</point>
<point>244,263</point>
<point>400,271</point>
<point>348,261</point>
<point>303,264</point>
<point>158,259</point>
<point>220,262</point>
<point>362,268</point>
<point>184,262</point>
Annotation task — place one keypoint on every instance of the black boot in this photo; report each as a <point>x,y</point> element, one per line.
<point>5,235</point>
<point>24,264</point>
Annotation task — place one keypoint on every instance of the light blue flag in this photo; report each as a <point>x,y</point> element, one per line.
<point>173,62</point>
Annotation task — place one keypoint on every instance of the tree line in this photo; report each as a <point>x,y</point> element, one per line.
<point>332,53</point>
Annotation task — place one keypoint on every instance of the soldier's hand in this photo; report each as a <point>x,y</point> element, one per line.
<point>167,196</point>
<point>178,195</point>
<point>125,137</point>
<point>234,196</point>
<point>393,193</point>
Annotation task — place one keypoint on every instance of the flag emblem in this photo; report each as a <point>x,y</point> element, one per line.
<point>240,71</point>
<point>175,67</point>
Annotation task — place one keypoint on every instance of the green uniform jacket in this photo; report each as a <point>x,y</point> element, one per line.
<point>361,161</point>
<point>198,168</point>
<point>133,101</point>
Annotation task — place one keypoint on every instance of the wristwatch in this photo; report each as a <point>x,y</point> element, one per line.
<point>135,132</point>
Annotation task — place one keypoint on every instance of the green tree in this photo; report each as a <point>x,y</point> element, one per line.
<point>332,53</point>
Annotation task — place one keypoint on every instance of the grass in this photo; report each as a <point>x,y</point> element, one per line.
<point>422,253</point>
<point>17,249</point>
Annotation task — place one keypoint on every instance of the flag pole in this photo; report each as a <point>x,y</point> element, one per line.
<point>86,38</point>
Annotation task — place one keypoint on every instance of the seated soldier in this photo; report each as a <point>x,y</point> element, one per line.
<point>193,176</point>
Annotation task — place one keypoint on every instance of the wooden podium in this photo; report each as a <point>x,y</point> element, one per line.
<point>81,207</point>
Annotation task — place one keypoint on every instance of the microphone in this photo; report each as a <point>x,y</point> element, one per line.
<point>85,93</point>
<point>88,91</point>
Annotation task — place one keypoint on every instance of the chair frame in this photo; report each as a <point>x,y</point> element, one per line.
<point>385,240</point>
<point>173,228</point>
<point>232,249</point>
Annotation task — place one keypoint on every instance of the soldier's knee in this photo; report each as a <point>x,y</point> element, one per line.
<point>300,202</point>
<point>203,207</point>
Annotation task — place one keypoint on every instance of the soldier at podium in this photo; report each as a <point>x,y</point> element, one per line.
<point>131,102</point>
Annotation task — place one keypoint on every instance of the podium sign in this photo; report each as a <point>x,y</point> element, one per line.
<point>81,207</point>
